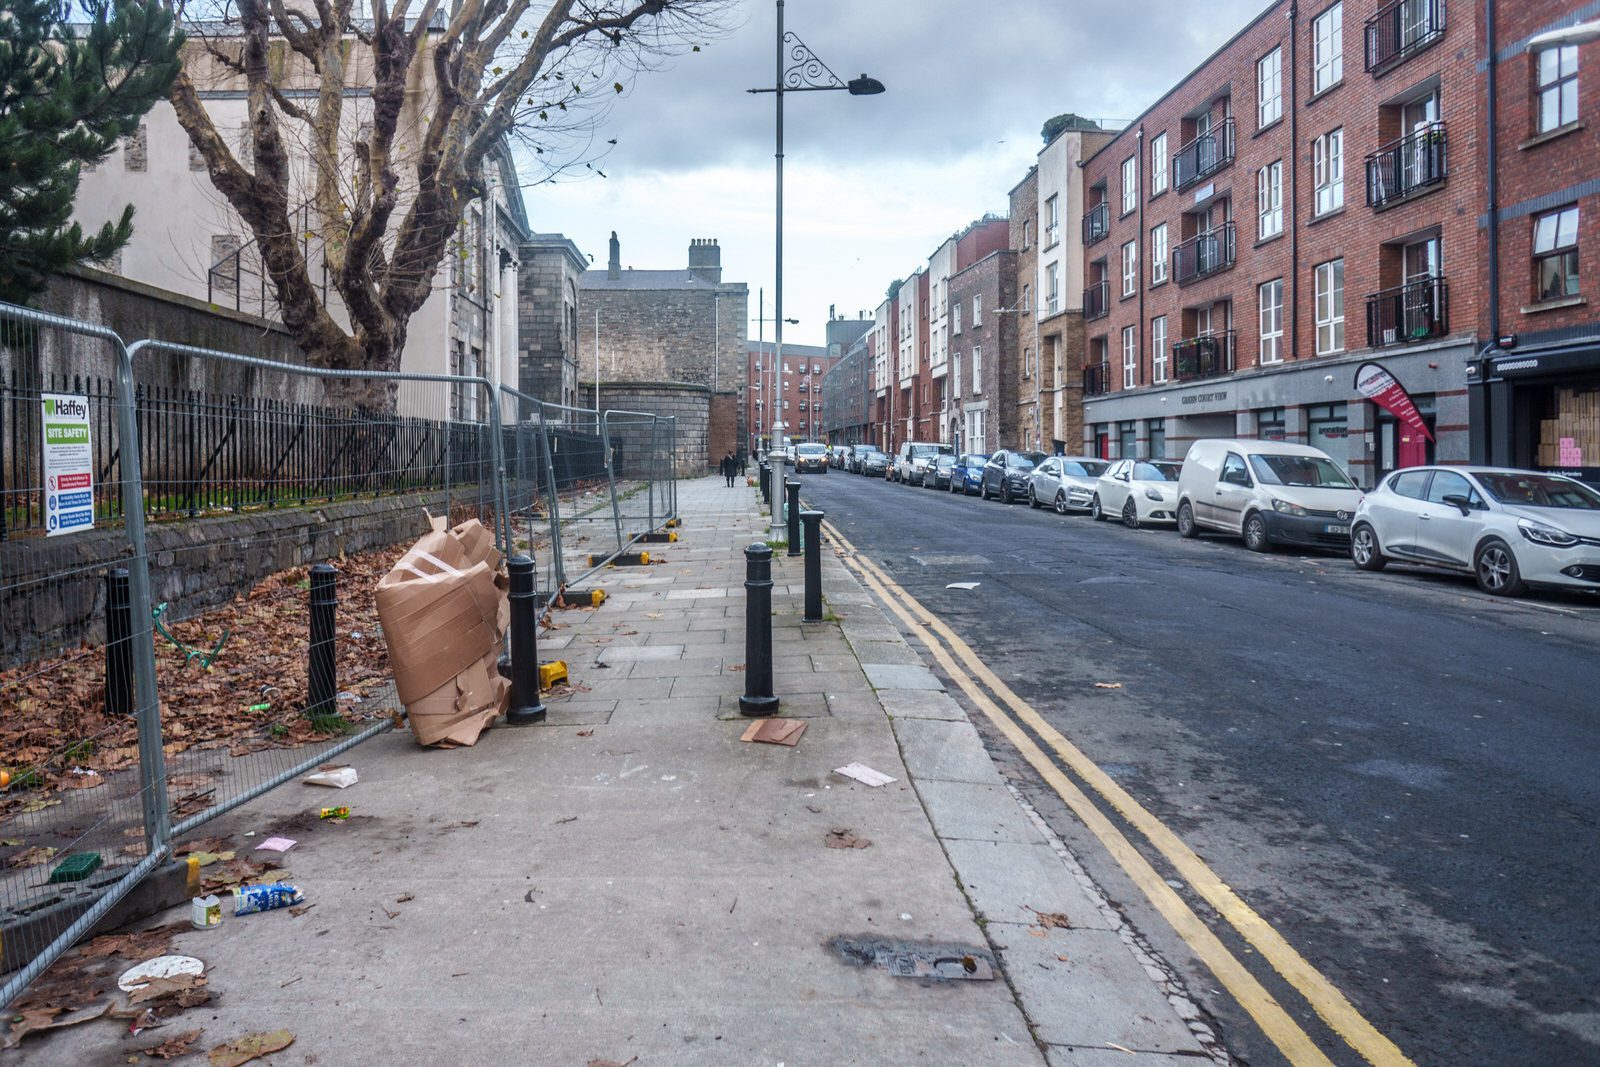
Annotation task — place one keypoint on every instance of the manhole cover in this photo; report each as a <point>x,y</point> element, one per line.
<point>917,959</point>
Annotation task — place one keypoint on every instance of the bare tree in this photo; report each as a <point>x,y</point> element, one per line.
<point>383,175</point>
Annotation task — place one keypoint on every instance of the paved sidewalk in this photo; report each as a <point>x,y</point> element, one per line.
<point>632,880</point>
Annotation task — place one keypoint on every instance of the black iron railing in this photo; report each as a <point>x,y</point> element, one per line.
<point>1097,299</point>
<point>1097,379</point>
<point>1096,223</point>
<point>1409,313</point>
<point>1203,254</point>
<point>1400,30</point>
<point>1414,162</point>
<point>1207,356</point>
<point>239,279</point>
<point>1206,154</point>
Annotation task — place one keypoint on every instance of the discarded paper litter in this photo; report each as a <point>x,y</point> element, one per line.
<point>444,612</point>
<point>334,777</point>
<point>864,774</point>
<point>775,731</point>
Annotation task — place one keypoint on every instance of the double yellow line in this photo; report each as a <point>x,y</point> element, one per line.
<point>964,666</point>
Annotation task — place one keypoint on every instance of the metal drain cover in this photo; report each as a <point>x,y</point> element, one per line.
<point>917,959</point>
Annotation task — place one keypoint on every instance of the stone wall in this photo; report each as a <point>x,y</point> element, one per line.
<point>690,404</point>
<point>653,335</point>
<point>194,566</point>
<point>547,320</point>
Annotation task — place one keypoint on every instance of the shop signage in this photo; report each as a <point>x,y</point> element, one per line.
<point>1205,398</point>
<point>1378,385</point>
<point>68,464</point>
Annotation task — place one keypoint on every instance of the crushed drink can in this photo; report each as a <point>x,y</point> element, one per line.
<point>248,899</point>
<point>334,813</point>
<point>205,912</point>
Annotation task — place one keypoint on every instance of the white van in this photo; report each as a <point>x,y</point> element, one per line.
<point>1268,492</point>
<point>913,460</point>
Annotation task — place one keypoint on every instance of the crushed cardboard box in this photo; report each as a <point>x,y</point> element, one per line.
<point>444,611</point>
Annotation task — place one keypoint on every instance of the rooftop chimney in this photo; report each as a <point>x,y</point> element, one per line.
<point>614,264</point>
<point>705,259</point>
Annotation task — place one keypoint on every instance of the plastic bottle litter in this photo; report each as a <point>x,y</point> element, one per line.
<point>248,899</point>
<point>205,912</point>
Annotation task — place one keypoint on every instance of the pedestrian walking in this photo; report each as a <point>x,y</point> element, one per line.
<point>729,467</point>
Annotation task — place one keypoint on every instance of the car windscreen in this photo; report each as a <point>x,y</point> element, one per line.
<point>1088,468</point>
<point>929,450</point>
<point>1156,472</point>
<point>1539,490</point>
<point>1313,471</point>
<point>974,459</point>
<point>945,461</point>
<point>1023,461</point>
<point>811,450</point>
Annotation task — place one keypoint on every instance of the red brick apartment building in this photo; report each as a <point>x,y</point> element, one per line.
<point>803,369</point>
<point>1303,203</point>
<point>1535,394</point>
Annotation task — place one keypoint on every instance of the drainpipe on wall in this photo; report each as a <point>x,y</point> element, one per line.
<point>1480,420</point>
<point>1138,259</point>
<point>1294,185</point>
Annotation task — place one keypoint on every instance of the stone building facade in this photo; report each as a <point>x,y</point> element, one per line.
<point>550,363</point>
<point>683,325</point>
<point>983,338</point>
<point>690,405</point>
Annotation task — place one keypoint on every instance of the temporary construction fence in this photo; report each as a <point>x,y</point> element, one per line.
<point>177,652</point>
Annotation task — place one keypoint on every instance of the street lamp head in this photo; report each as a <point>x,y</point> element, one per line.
<point>1582,33</point>
<point>865,86</point>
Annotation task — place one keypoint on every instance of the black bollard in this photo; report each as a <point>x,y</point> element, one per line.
<point>813,521</point>
<point>763,472</point>
<point>758,699</point>
<point>794,517</point>
<point>525,706</point>
<point>119,644</point>
<point>322,696</point>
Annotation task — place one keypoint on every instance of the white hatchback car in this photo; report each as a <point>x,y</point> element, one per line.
<point>1509,528</point>
<point>1138,491</point>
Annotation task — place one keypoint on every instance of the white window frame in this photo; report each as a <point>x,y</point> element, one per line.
<point>1269,305</point>
<point>1130,183</point>
<point>1330,307</point>
<point>1555,73</point>
<point>1158,349</point>
<point>1052,277</point>
<point>1269,200</point>
<point>977,310</point>
<point>1269,88</point>
<point>1328,171</point>
<point>977,368</point>
<point>1052,228</point>
<point>1158,253</point>
<point>955,318</point>
<point>1158,163</point>
<point>1130,268</point>
<point>1327,49</point>
<point>1130,357</point>
<point>1027,362</point>
<point>1027,299</point>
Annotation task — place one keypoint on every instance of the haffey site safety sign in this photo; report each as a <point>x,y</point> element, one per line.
<point>68,464</point>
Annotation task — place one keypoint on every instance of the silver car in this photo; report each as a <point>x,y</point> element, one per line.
<point>1066,483</point>
<point>1508,528</point>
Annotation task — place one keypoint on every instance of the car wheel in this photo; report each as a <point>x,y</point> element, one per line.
<point>1061,503</point>
<point>1130,515</point>
<point>1255,533</point>
<point>1365,551</point>
<point>1033,498</point>
<point>983,490</point>
<point>1005,493</point>
<point>1497,570</point>
<point>1186,526</point>
<point>1094,509</point>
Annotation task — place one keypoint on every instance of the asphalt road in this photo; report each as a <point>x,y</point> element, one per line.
<point>1398,772</point>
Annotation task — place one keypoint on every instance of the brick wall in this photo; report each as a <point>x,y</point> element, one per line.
<point>993,280</point>
<point>722,434</point>
<point>1025,241</point>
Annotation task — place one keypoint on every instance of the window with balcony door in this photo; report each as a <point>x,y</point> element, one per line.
<point>1052,221</point>
<point>1413,162</point>
<point>1328,171</point>
<point>1330,307</point>
<point>1269,88</point>
<point>1417,308</point>
<point>1269,200</point>
<point>1052,296</point>
<point>1558,87</point>
<point>1270,299</point>
<point>1158,349</point>
<point>1130,184</point>
<point>1327,49</point>
<point>1158,254</point>
<point>1130,268</point>
<point>1158,163</point>
<point>1130,357</point>
<point>1555,254</point>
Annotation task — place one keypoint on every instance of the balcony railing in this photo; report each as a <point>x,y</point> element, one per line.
<point>1097,299</point>
<point>1204,155</point>
<point>1408,313</point>
<point>1416,161</point>
<point>1400,30</point>
<point>1203,254</point>
<point>1207,356</point>
<point>1097,379</point>
<point>1096,223</point>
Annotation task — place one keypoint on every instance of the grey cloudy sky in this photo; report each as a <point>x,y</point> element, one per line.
<point>871,184</point>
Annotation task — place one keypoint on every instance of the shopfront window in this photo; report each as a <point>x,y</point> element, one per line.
<point>1327,428</point>
<point>1127,440</point>
<point>1158,439</point>
<point>1270,425</point>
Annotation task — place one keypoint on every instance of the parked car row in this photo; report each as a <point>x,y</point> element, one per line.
<point>1510,529</point>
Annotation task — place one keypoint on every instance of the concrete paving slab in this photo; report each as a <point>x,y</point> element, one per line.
<point>1098,994</point>
<point>621,653</point>
<point>1008,882</point>
<point>899,676</point>
<point>921,704</point>
<point>937,750</point>
<point>896,651</point>
<point>1078,1056</point>
<point>961,810</point>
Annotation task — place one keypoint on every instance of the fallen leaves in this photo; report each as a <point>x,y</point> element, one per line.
<point>175,1046</point>
<point>845,838</point>
<point>1051,920</point>
<point>242,1050</point>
